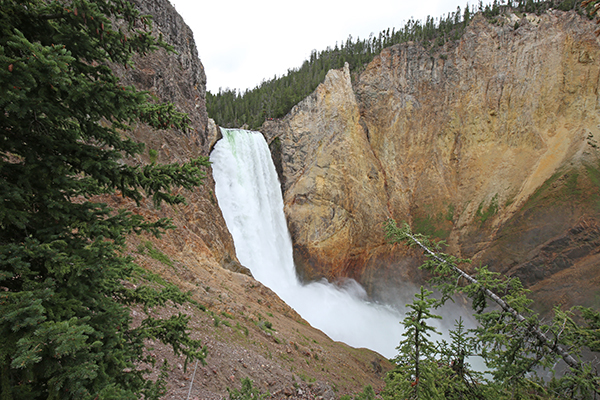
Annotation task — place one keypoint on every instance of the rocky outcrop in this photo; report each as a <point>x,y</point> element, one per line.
<point>488,143</point>
<point>179,77</point>
<point>335,197</point>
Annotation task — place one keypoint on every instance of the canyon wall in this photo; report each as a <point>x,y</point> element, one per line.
<point>291,360</point>
<point>178,77</point>
<point>489,143</point>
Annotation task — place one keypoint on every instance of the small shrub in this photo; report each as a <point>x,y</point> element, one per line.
<point>226,315</point>
<point>248,392</point>
<point>491,210</point>
<point>153,154</point>
<point>367,394</point>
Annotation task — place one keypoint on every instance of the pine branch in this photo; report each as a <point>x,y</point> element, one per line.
<point>406,234</point>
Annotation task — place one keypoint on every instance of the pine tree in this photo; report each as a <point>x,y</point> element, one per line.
<point>511,337</point>
<point>65,329</point>
<point>416,367</point>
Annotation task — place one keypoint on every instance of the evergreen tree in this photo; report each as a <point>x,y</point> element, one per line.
<point>65,329</point>
<point>510,337</point>
<point>461,381</point>
<point>416,372</point>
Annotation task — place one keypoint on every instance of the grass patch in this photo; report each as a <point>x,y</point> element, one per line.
<point>537,196</point>
<point>432,225</point>
<point>226,315</point>
<point>243,329</point>
<point>574,186</point>
<point>450,213</point>
<point>490,211</point>
<point>570,189</point>
<point>286,357</point>
<point>216,319</point>
<point>264,324</point>
<point>593,175</point>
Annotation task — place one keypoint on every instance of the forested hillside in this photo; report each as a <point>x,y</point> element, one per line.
<point>275,97</point>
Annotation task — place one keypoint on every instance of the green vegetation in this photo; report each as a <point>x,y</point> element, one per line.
<point>65,323</point>
<point>248,392</point>
<point>450,213</point>
<point>367,394</point>
<point>216,319</point>
<point>438,225</point>
<point>242,328</point>
<point>275,97</point>
<point>490,211</point>
<point>515,344</point>
<point>568,186</point>
<point>430,225</point>
<point>155,253</point>
<point>153,155</point>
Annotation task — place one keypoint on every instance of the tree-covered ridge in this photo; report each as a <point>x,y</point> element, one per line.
<point>274,98</point>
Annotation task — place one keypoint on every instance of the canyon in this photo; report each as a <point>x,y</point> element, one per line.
<point>290,359</point>
<point>489,143</point>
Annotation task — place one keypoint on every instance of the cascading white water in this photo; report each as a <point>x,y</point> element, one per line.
<point>249,195</point>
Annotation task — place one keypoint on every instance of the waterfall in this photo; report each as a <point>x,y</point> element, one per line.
<point>249,195</point>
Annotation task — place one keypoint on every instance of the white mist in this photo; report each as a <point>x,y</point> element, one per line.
<point>249,195</point>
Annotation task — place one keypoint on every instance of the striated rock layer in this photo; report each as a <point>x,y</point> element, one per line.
<point>489,143</point>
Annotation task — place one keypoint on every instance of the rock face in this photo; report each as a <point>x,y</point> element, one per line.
<point>199,257</point>
<point>179,78</point>
<point>334,187</point>
<point>488,143</point>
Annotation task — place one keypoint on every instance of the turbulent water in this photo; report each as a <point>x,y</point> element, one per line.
<point>249,195</point>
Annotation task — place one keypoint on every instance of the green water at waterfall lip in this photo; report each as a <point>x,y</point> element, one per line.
<point>230,134</point>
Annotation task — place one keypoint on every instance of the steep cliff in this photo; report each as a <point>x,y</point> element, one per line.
<point>488,142</point>
<point>291,360</point>
<point>334,189</point>
<point>179,78</point>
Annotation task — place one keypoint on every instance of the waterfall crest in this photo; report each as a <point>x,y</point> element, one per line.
<point>249,195</point>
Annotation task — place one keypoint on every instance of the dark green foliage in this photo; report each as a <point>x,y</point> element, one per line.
<point>65,330</point>
<point>426,369</point>
<point>590,332</point>
<point>155,253</point>
<point>274,98</point>
<point>367,394</point>
<point>416,366</point>
<point>463,381</point>
<point>510,337</point>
